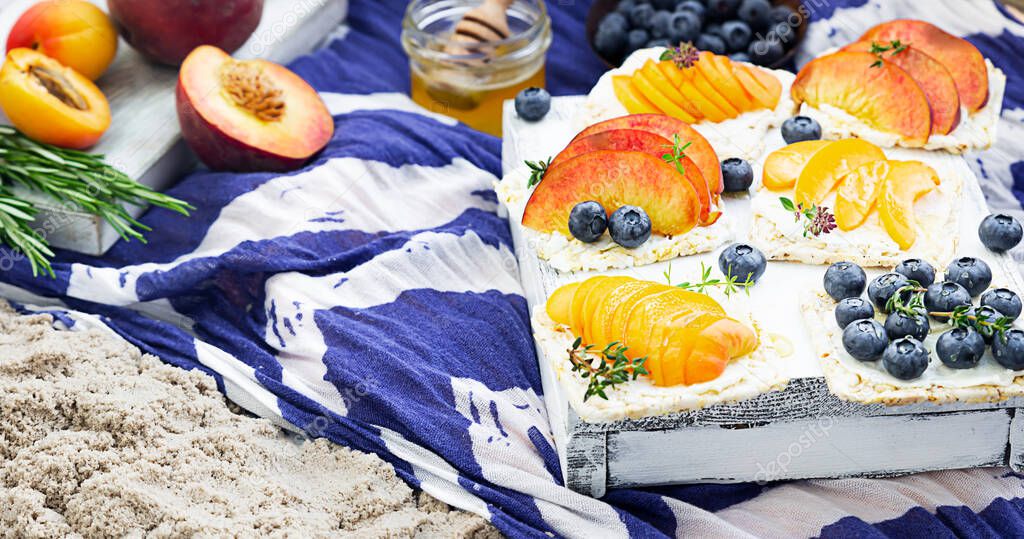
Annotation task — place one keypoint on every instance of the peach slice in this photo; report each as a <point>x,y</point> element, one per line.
<point>963,60</point>
<point>767,81</point>
<point>699,150</point>
<point>576,320</point>
<point>715,346</point>
<point>660,100</point>
<point>251,115</point>
<point>641,141</point>
<point>677,344</point>
<point>707,89</point>
<point>885,97</point>
<point>597,293</point>
<point>614,179</point>
<point>907,181</point>
<point>718,70</point>
<point>857,193</point>
<point>665,86</point>
<point>616,307</point>
<point>765,93</point>
<point>660,307</point>
<point>51,103</point>
<point>76,33</point>
<point>783,166</point>
<point>828,165</point>
<point>671,72</point>
<point>933,78</point>
<point>631,98</point>
<point>559,305</point>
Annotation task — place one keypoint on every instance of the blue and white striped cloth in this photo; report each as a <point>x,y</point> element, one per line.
<point>373,298</point>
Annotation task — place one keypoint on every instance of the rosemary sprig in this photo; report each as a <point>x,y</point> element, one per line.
<point>676,154</point>
<point>683,56</point>
<point>613,367</point>
<point>16,217</point>
<point>730,284</point>
<point>817,219</point>
<point>537,171</point>
<point>896,46</point>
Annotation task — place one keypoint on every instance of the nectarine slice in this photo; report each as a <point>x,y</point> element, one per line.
<point>663,306</point>
<point>576,315</point>
<point>767,81</point>
<point>783,166</point>
<point>699,81</point>
<point>759,93</point>
<point>699,149</point>
<point>718,70</point>
<point>858,192</point>
<point>677,345</point>
<point>590,310</point>
<point>616,308</point>
<point>559,305</point>
<point>907,181</point>
<point>251,115</point>
<point>614,179</point>
<point>665,86</point>
<point>715,346</point>
<point>671,72</point>
<point>661,100</point>
<point>828,165</point>
<point>933,78</point>
<point>885,96</point>
<point>630,97</point>
<point>959,56</point>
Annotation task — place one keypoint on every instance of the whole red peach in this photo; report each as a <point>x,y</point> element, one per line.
<point>74,32</point>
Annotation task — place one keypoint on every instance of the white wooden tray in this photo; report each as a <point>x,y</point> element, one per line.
<point>801,432</point>
<point>144,139</point>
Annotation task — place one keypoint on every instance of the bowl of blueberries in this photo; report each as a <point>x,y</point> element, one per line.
<point>762,32</point>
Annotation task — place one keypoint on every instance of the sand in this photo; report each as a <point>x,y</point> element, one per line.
<point>99,440</point>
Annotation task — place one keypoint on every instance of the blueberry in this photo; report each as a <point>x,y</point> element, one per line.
<point>851,309</point>
<point>737,35</point>
<point>1008,350</point>
<point>711,43</point>
<point>944,297</point>
<point>660,24</point>
<point>630,226</point>
<point>1003,300</point>
<point>783,33</point>
<point>641,15</point>
<point>684,26</point>
<point>881,288</point>
<point>614,20</point>
<point>588,221</point>
<point>611,42</point>
<point>918,270</point>
<point>800,128</point>
<point>906,358</point>
<point>693,6</point>
<point>715,29</point>
<point>533,104</point>
<point>740,57</point>
<point>844,280</point>
<point>636,39</point>
<point>782,13</point>
<point>984,318</point>
<point>737,175</point>
<point>766,52</point>
<point>625,6</point>
<point>970,273</point>
<point>960,348</point>
<point>1000,232</point>
<point>755,13</point>
<point>664,4</point>
<point>742,262</point>
<point>900,324</point>
<point>722,9</point>
<point>865,340</point>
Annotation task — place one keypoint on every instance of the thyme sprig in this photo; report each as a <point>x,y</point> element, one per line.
<point>613,367</point>
<point>676,154</point>
<point>895,46</point>
<point>909,300</point>
<point>537,171</point>
<point>730,284</point>
<point>684,56</point>
<point>818,220</point>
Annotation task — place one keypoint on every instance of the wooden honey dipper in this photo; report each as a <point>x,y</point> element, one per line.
<point>485,23</point>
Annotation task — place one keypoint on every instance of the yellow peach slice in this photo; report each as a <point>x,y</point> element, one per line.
<point>718,70</point>
<point>707,89</point>
<point>576,319</point>
<point>606,307</point>
<point>783,166</point>
<point>660,100</point>
<point>594,297</point>
<point>857,193</point>
<point>559,305</point>
<point>660,307</point>
<point>768,82</point>
<point>828,165</point>
<point>907,181</point>
<point>634,102</point>
<point>665,86</point>
<point>760,94</point>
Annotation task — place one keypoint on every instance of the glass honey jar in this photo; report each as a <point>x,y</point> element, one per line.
<point>470,81</point>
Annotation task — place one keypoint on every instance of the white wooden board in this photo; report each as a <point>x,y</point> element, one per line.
<point>727,442</point>
<point>144,139</point>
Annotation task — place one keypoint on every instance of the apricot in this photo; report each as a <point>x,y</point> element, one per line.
<point>52,103</point>
<point>251,115</point>
<point>76,33</point>
<point>828,165</point>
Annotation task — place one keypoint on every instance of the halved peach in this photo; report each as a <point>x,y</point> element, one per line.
<point>641,141</point>
<point>933,78</point>
<point>662,101</point>
<point>858,192</point>
<point>559,305</point>
<point>76,33</point>
<point>630,97</point>
<point>907,181</point>
<point>51,103</point>
<point>884,96</point>
<point>699,149</point>
<point>783,166</point>
<point>718,70</point>
<point>829,164</point>
<point>251,115</point>
<point>665,86</point>
<point>959,56</point>
<point>614,179</point>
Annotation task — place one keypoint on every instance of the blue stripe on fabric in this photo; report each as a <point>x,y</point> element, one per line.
<point>1001,518</point>
<point>1006,51</point>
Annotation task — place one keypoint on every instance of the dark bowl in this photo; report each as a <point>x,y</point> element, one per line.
<point>600,8</point>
